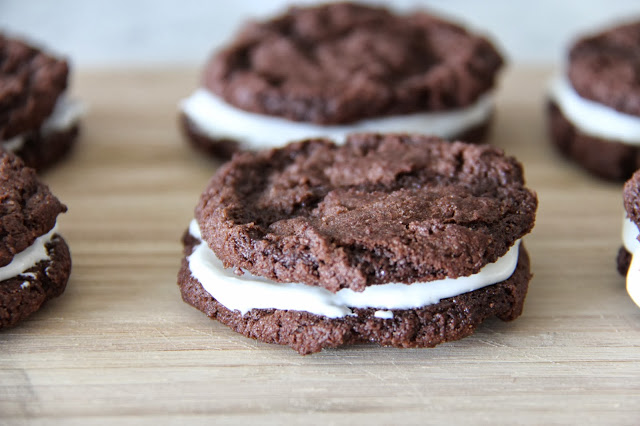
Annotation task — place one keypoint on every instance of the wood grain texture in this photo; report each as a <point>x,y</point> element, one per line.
<point>121,346</point>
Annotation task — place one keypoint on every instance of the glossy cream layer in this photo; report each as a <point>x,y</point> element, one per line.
<point>28,257</point>
<point>592,118</point>
<point>65,115</point>
<point>246,292</point>
<point>215,118</point>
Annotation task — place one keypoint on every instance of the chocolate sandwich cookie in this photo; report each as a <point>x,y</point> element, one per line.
<point>38,122</point>
<point>403,240</point>
<point>334,69</point>
<point>594,108</point>
<point>629,253</point>
<point>34,259</point>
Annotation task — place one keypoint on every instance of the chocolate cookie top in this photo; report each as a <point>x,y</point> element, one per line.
<point>27,207</point>
<point>381,208</point>
<point>343,62</point>
<point>606,68</point>
<point>631,197</point>
<point>30,83</point>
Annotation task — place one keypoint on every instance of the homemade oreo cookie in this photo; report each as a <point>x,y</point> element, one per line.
<point>403,240</point>
<point>38,122</point>
<point>594,109</point>
<point>34,260</point>
<point>629,254</point>
<point>334,69</point>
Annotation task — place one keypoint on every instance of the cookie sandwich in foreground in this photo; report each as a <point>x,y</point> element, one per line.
<point>401,240</point>
<point>594,108</point>
<point>34,259</point>
<point>38,121</point>
<point>338,68</point>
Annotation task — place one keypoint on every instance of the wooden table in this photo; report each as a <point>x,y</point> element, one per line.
<point>121,347</point>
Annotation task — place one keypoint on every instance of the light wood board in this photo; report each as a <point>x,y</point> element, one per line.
<point>121,347</point>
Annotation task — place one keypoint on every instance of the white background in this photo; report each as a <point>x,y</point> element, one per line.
<point>120,33</point>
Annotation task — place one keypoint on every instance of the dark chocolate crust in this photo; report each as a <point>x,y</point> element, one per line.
<point>23,295</point>
<point>607,159</point>
<point>30,83</point>
<point>450,319</point>
<point>605,68</point>
<point>42,151</point>
<point>623,261</point>
<point>379,209</point>
<point>223,149</point>
<point>27,208</point>
<point>341,62</point>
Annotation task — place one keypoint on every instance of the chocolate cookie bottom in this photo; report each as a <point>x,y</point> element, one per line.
<point>41,152</point>
<point>24,294</point>
<point>606,159</point>
<point>623,261</point>
<point>224,148</point>
<point>450,319</point>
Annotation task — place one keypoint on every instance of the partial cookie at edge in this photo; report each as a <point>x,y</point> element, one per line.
<point>28,209</point>
<point>32,82</point>
<point>607,159</point>
<point>604,68</point>
<point>25,294</point>
<point>631,201</point>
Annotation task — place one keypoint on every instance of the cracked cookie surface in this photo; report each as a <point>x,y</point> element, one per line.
<point>342,62</point>
<point>380,209</point>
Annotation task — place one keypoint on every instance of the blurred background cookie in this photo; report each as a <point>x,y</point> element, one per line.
<point>38,121</point>
<point>594,108</point>
<point>340,68</point>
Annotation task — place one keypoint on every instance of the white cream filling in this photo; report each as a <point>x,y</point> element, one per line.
<point>630,240</point>
<point>13,144</point>
<point>214,118</point>
<point>65,115</point>
<point>592,118</point>
<point>246,292</point>
<point>383,314</point>
<point>630,235</point>
<point>28,257</point>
